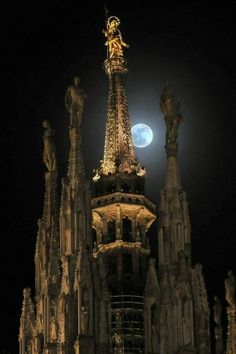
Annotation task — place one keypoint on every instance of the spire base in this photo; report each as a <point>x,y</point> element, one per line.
<point>115,65</point>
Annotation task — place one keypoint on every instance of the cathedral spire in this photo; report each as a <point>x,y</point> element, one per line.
<point>174,226</point>
<point>94,292</point>
<point>119,149</point>
<point>48,231</point>
<point>171,109</point>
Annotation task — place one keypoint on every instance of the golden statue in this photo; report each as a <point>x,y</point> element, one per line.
<point>114,41</point>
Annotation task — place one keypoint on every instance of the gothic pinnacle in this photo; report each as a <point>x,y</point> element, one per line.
<point>174,227</point>
<point>119,154</point>
<point>48,226</point>
<point>170,107</point>
<point>27,315</point>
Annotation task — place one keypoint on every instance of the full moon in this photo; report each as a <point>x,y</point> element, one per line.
<point>142,135</point>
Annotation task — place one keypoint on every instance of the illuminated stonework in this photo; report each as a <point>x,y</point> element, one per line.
<point>97,291</point>
<point>119,149</point>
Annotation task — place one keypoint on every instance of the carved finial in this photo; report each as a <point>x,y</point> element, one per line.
<point>170,108</point>
<point>49,152</point>
<point>26,293</point>
<point>27,314</point>
<point>114,41</point>
<point>74,101</point>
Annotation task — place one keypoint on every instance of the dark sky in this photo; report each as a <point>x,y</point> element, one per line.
<point>188,44</point>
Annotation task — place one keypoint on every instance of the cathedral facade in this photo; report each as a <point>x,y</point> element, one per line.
<point>97,290</point>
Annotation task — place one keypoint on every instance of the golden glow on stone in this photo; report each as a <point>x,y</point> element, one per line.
<point>119,244</point>
<point>131,210</point>
<point>123,198</point>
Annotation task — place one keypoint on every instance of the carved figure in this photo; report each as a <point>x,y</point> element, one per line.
<point>53,329</point>
<point>40,315</point>
<point>96,176</point>
<point>114,41</point>
<point>74,101</point>
<point>65,276</point>
<point>84,320</point>
<point>49,152</point>
<point>217,311</point>
<point>170,108</point>
<point>230,289</point>
<point>140,170</point>
<point>36,345</point>
<point>61,321</point>
<point>118,320</point>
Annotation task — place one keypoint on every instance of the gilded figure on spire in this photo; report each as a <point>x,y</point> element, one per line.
<point>114,41</point>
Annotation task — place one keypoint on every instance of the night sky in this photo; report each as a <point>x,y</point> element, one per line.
<point>188,44</point>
